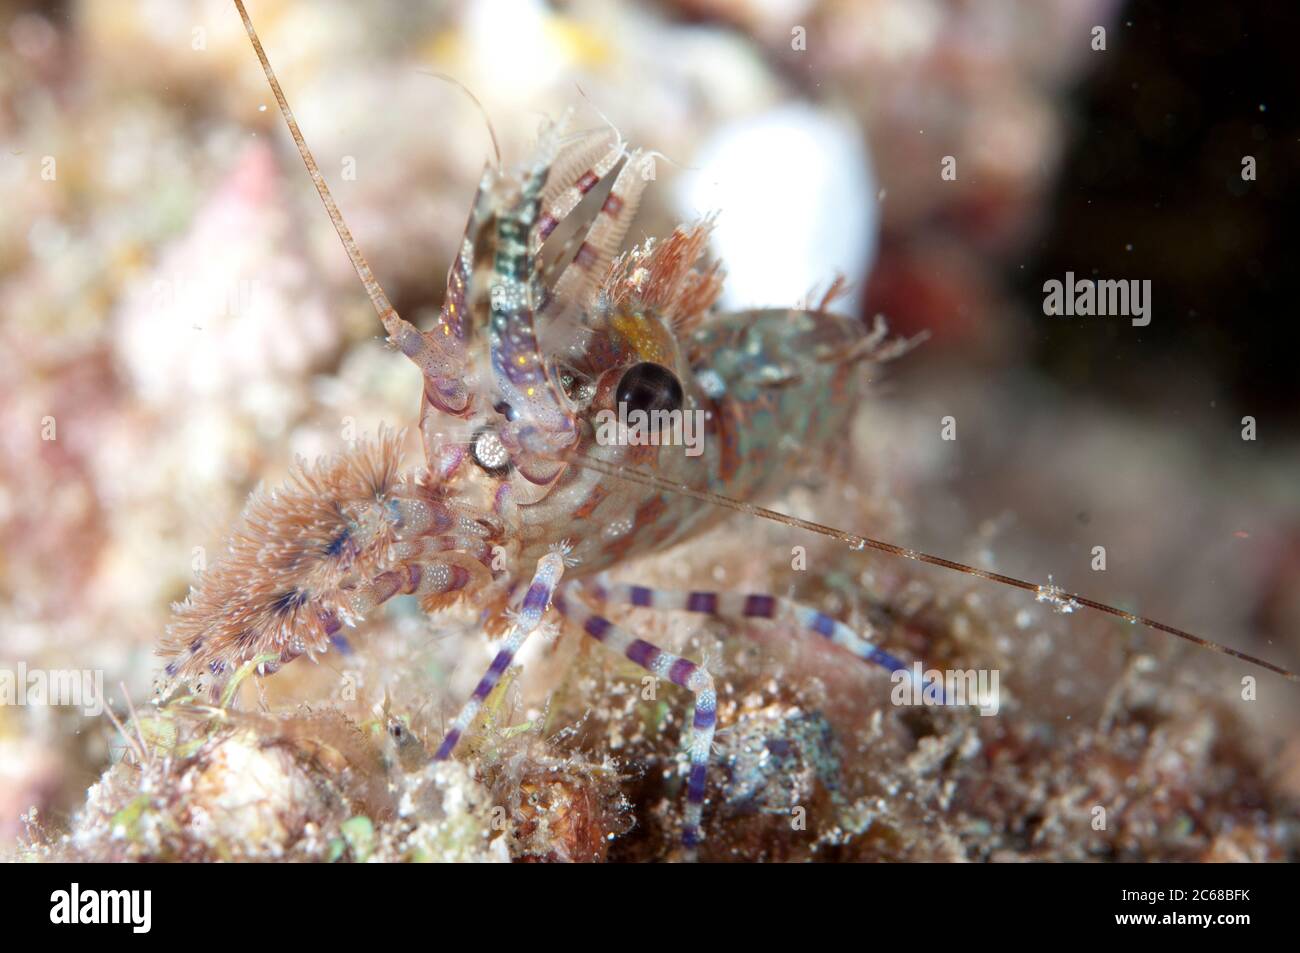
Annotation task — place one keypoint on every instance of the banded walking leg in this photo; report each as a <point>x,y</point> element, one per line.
<point>737,605</point>
<point>449,573</point>
<point>550,569</point>
<point>677,670</point>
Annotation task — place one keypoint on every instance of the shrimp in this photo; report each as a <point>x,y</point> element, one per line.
<point>543,388</point>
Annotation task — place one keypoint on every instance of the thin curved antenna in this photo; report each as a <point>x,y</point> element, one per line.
<point>618,136</point>
<point>1058,598</point>
<point>487,120</point>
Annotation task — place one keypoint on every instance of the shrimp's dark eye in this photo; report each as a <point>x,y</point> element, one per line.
<point>649,387</point>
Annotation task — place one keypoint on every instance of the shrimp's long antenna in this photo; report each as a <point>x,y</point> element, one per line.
<point>1058,598</point>
<point>398,329</point>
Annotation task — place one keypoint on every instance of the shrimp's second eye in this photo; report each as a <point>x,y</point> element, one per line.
<point>649,387</point>
<point>489,453</point>
<point>577,387</point>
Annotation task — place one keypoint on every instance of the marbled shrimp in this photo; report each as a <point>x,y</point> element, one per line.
<point>518,506</point>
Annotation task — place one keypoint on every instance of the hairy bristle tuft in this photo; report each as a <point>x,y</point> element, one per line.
<point>276,589</point>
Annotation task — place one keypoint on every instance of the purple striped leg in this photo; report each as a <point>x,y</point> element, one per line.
<point>677,670</point>
<point>408,578</point>
<point>537,599</point>
<point>738,605</point>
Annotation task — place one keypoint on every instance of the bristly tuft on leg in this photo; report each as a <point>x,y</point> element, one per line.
<point>563,549</point>
<point>275,590</point>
